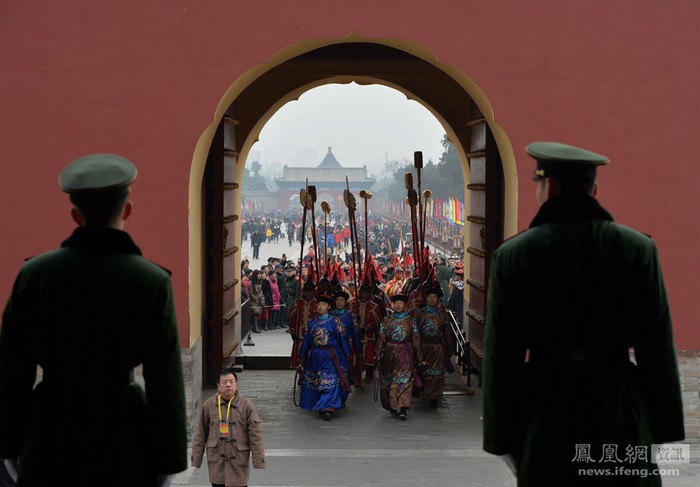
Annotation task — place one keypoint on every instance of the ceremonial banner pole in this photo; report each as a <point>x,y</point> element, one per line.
<point>305,200</point>
<point>418,164</point>
<point>312,192</point>
<point>353,203</point>
<point>426,195</point>
<point>348,205</point>
<point>366,195</point>
<point>326,208</point>
<point>412,201</point>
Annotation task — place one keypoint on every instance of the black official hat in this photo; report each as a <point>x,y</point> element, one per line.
<point>557,159</point>
<point>399,297</point>
<point>324,298</point>
<point>341,294</point>
<point>434,290</point>
<point>98,173</point>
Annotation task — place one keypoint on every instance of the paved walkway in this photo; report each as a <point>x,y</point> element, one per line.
<point>273,343</point>
<point>363,445</point>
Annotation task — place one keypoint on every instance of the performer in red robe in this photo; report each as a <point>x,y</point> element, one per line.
<point>303,310</point>
<point>370,317</point>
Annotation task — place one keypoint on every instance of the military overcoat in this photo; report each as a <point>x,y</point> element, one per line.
<point>87,314</point>
<point>575,293</point>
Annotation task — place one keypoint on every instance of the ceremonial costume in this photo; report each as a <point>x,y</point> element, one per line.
<point>397,343</point>
<point>299,316</point>
<point>323,354</point>
<point>348,321</point>
<point>369,316</point>
<point>436,343</point>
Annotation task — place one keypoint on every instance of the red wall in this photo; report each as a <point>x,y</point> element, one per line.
<point>143,78</point>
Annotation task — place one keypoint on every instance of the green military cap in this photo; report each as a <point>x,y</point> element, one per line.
<point>97,173</point>
<point>556,159</point>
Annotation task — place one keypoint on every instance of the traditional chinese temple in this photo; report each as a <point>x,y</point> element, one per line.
<point>329,177</point>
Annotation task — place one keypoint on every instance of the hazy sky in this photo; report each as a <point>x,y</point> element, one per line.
<point>364,125</point>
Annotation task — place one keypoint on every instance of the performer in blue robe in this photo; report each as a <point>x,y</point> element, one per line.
<point>348,320</point>
<point>323,354</point>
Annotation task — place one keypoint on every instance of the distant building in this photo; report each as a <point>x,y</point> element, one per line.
<point>329,179</point>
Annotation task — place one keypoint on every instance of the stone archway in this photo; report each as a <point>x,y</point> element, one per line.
<point>459,105</point>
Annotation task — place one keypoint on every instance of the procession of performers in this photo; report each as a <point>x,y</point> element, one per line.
<point>337,337</point>
<point>395,329</point>
<point>335,341</point>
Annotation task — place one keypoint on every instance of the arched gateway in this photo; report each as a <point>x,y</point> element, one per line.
<point>460,106</point>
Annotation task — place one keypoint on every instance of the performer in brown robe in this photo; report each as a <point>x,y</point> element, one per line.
<point>397,343</point>
<point>436,343</point>
<point>370,317</point>
<point>303,310</point>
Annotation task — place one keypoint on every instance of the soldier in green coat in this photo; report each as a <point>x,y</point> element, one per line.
<point>570,300</point>
<point>87,314</point>
<point>444,274</point>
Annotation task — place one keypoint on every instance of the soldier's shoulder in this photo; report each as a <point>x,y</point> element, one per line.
<point>160,267</point>
<point>629,237</point>
<point>145,267</point>
<point>517,239</point>
<point>43,258</point>
<point>630,232</point>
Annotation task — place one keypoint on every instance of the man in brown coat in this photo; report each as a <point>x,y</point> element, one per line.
<point>231,431</point>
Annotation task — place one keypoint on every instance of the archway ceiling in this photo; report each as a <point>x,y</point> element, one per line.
<point>361,61</point>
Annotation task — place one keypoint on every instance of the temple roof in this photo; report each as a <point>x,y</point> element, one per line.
<point>328,171</point>
<point>329,161</point>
